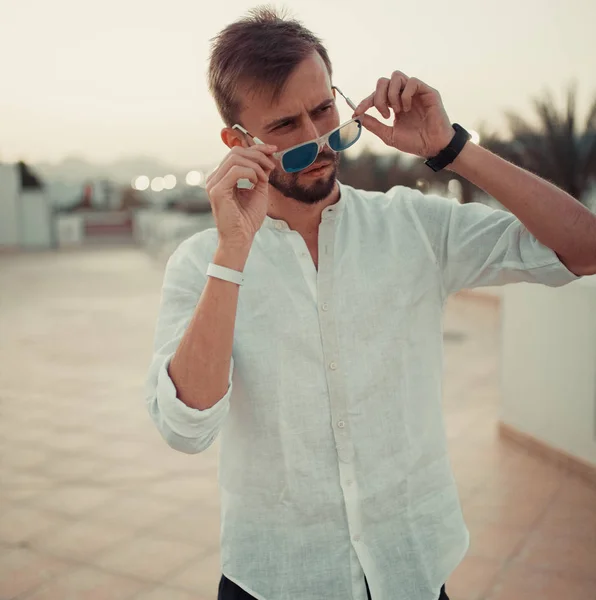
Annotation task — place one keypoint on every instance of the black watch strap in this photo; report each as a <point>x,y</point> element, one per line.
<point>450,152</point>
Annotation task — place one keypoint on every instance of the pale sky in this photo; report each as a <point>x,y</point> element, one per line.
<point>120,78</point>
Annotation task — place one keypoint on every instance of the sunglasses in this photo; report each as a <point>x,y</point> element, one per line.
<point>299,157</point>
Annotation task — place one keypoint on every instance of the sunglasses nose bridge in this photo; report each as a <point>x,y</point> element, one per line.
<point>324,142</point>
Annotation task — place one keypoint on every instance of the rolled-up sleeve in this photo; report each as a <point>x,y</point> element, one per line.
<point>184,428</point>
<point>476,245</point>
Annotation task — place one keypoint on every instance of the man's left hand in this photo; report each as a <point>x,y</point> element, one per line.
<point>420,124</point>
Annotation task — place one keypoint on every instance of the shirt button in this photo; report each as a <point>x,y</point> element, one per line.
<point>341,424</point>
<point>279,226</point>
<point>332,366</point>
<point>325,306</point>
<point>356,538</point>
<point>349,482</point>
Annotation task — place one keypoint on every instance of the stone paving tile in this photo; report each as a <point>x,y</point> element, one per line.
<point>146,557</point>
<point>80,540</point>
<point>87,583</point>
<point>474,578</point>
<point>22,570</point>
<point>497,542</point>
<point>94,504</point>
<point>135,510</point>
<point>562,554</point>
<point>168,593</point>
<point>201,575</point>
<point>15,486</point>
<point>198,522</point>
<point>20,523</point>
<point>74,500</point>
<point>523,583</point>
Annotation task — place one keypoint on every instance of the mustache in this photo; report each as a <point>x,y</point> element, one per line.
<point>326,156</point>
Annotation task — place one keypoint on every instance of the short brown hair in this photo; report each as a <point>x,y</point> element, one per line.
<point>260,50</point>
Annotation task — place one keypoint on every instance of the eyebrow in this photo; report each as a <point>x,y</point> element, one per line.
<point>273,124</point>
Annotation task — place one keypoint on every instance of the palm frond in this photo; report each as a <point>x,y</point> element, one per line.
<point>591,119</point>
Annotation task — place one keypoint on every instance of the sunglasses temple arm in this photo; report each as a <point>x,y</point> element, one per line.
<point>350,103</point>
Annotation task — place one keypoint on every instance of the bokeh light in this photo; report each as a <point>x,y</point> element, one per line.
<point>157,184</point>
<point>194,178</point>
<point>141,182</point>
<point>169,182</point>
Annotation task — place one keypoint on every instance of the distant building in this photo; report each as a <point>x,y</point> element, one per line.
<point>26,220</point>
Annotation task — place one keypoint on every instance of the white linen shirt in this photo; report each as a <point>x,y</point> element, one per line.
<point>333,456</point>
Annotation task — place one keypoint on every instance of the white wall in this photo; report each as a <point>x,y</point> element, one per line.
<point>9,216</point>
<point>35,220</point>
<point>549,364</point>
<point>70,230</point>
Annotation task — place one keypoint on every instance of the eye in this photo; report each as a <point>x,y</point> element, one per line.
<point>326,108</point>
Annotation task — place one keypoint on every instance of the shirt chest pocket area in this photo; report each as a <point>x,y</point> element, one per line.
<point>271,311</point>
<point>388,298</point>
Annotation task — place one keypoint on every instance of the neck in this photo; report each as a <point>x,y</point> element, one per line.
<point>303,218</point>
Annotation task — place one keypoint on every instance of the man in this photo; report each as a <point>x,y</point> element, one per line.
<point>306,328</point>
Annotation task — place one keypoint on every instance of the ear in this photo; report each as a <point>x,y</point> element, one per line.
<point>232,137</point>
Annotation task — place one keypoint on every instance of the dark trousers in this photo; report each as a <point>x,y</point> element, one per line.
<point>228,590</point>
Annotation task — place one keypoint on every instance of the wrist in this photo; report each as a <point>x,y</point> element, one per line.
<point>463,159</point>
<point>450,152</point>
<point>442,141</point>
<point>231,256</point>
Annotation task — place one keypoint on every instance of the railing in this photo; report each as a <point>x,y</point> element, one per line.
<point>161,231</point>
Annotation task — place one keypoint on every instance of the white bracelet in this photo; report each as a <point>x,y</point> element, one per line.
<point>224,273</point>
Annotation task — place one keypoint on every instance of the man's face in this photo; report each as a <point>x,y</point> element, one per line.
<point>304,111</point>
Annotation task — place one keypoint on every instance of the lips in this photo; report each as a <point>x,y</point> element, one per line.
<point>317,167</point>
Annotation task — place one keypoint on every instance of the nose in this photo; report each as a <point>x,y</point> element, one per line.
<point>310,131</point>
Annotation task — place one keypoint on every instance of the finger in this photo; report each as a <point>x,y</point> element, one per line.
<point>367,103</point>
<point>237,161</point>
<point>263,157</point>
<point>380,99</point>
<point>241,156</point>
<point>262,175</point>
<point>411,89</point>
<point>398,82</point>
<point>379,129</point>
<point>230,179</point>
<point>262,172</point>
<point>267,149</point>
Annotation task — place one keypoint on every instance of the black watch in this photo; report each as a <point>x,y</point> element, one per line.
<point>450,152</point>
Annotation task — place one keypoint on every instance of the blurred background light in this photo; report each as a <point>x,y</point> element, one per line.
<point>194,178</point>
<point>157,184</point>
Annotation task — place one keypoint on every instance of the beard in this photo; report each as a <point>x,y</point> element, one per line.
<point>290,186</point>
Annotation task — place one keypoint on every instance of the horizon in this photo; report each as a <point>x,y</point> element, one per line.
<point>123,81</point>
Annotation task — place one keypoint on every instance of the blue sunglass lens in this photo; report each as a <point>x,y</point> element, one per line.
<point>300,158</point>
<point>345,136</point>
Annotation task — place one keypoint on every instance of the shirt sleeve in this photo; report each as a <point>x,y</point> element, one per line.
<point>476,245</point>
<point>184,428</point>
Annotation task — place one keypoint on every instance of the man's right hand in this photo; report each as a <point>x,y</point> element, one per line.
<point>239,213</point>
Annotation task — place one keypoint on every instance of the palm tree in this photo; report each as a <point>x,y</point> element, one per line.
<point>555,149</point>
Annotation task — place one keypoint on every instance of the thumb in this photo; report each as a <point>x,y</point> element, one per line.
<point>379,129</point>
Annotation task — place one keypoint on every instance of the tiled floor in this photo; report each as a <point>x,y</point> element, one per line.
<point>94,506</point>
